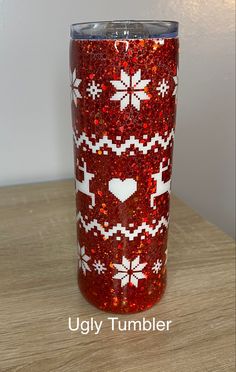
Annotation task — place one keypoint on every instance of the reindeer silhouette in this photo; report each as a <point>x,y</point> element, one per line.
<point>83,186</point>
<point>161,187</point>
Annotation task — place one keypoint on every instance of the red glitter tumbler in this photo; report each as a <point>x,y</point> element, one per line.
<point>124,85</point>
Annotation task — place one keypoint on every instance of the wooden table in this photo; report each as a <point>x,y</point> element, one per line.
<point>39,292</point>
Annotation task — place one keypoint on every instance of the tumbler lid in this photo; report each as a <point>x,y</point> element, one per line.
<point>132,29</point>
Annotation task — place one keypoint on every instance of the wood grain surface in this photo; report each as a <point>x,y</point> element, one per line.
<point>38,292</point>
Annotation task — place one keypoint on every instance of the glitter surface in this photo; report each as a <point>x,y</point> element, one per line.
<point>123,114</point>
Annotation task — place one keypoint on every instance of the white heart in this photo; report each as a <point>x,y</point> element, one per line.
<point>122,189</point>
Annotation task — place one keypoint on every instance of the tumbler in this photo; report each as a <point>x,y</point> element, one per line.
<point>123,89</point>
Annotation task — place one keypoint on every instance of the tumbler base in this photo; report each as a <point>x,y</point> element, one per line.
<point>118,303</point>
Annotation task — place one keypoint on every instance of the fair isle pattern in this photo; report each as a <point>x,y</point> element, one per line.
<point>83,259</point>
<point>83,186</point>
<point>75,82</point>
<point>144,227</point>
<point>95,146</point>
<point>99,267</point>
<point>157,266</point>
<point>130,271</point>
<point>161,186</point>
<point>130,90</point>
<point>175,78</point>
<point>163,87</point>
<point>93,90</point>
<point>122,189</point>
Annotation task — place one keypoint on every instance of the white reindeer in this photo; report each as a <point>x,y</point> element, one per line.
<point>83,186</point>
<point>161,187</point>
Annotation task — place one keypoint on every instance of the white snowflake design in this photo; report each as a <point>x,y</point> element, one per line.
<point>157,266</point>
<point>163,87</point>
<point>83,259</point>
<point>94,90</point>
<point>75,82</point>
<point>130,90</point>
<point>130,271</point>
<point>175,78</point>
<point>99,267</point>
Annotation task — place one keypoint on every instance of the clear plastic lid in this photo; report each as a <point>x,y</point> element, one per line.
<point>124,30</point>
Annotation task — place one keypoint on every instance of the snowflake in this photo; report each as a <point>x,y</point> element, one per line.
<point>175,78</point>
<point>94,90</point>
<point>130,271</point>
<point>83,259</point>
<point>99,267</point>
<point>130,90</point>
<point>163,87</point>
<point>156,267</point>
<point>75,87</point>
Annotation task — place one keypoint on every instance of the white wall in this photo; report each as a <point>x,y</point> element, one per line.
<point>35,137</point>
